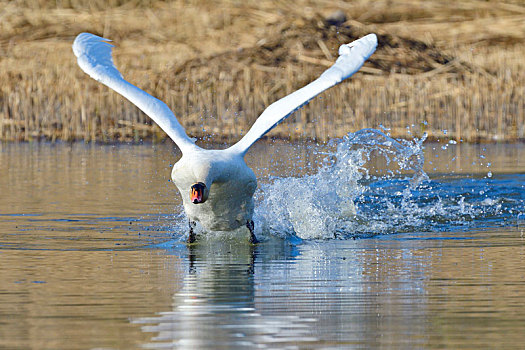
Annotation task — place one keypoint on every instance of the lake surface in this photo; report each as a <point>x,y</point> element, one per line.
<point>364,245</point>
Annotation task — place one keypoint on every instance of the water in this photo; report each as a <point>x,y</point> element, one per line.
<point>363,247</point>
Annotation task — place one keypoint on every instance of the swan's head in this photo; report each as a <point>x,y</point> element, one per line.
<point>198,193</point>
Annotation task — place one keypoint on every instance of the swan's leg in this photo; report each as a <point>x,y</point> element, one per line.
<point>191,258</point>
<point>251,267</point>
<point>191,237</point>
<point>251,226</point>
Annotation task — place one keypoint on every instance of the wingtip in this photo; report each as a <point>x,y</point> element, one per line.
<point>81,39</point>
<point>368,43</point>
<point>88,36</point>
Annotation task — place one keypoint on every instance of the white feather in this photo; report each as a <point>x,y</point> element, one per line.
<point>353,55</point>
<point>94,57</point>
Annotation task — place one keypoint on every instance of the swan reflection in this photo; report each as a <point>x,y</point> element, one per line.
<point>277,295</point>
<point>217,308</point>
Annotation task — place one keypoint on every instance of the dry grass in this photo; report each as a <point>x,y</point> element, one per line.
<point>439,67</point>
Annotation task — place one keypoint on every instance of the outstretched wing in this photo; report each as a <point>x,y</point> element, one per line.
<point>352,56</point>
<point>94,57</point>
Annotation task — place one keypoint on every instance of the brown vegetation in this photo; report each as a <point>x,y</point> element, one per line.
<point>439,66</point>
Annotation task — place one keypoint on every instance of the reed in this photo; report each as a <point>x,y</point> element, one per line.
<point>218,70</point>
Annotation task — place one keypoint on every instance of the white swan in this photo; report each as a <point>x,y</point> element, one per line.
<point>216,186</point>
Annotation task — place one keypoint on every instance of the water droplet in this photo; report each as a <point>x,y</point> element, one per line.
<point>489,174</point>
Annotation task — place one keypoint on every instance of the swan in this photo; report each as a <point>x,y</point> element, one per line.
<point>216,186</point>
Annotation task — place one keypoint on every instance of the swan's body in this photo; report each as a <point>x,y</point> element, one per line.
<point>231,186</point>
<point>220,182</point>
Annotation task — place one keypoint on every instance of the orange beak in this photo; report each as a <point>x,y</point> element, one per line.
<point>196,195</point>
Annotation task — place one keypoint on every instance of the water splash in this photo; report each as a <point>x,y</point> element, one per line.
<point>331,202</point>
<point>374,184</point>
